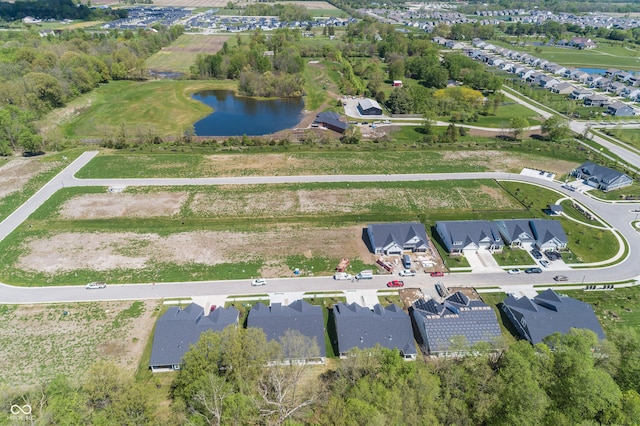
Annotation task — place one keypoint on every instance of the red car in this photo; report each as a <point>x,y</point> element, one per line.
<point>395,283</point>
<point>437,274</point>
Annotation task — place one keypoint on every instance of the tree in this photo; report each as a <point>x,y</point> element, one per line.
<point>400,101</point>
<point>518,124</point>
<point>281,384</point>
<point>555,128</point>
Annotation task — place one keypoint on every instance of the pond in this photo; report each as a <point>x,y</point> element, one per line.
<point>593,70</point>
<point>234,116</point>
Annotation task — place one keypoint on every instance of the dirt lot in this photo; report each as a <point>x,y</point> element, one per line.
<point>41,341</point>
<point>104,206</point>
<point>315,5</point>
<point>16,172</point>
<point>104,251</point>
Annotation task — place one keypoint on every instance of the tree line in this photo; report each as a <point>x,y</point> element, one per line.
<point>56,9</point>
<point>38,74</point>
<point>238,377</point>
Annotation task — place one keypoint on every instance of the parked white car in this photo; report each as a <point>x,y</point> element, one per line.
<point>259,281</point>
<point>407,273</point>
<point>94,285</point>
<point>514,271</point>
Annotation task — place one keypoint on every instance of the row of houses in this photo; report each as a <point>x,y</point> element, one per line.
<point>551,75</point>
<point>209,20</point>
<point>438,328</point>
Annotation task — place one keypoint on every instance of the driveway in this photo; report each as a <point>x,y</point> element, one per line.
<point>482,262</point>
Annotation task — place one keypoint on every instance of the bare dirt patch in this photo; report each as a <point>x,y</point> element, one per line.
<point>41,341</point>
<point>104,251</point>
<point>264,164</point>
<point>15,173</point>
<point>103,206</point>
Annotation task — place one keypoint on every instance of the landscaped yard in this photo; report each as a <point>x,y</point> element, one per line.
<point>514,257</point>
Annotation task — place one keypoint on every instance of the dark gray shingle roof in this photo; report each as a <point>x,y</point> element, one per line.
<point>360,327</point>
<point>179,328</point>
<point>300,316</point>
<point>601,173</point>
<point>548,313</point>
<point>468,232</point>
<point>456,316</point>
<point>383,234</point>
<point>332,118</point>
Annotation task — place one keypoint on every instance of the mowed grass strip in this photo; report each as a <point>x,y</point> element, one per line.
<point>124,108</point>
<point>181,54</point>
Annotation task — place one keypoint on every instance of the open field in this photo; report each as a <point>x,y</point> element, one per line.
<point>232,232</point>
<point>181,54</point>
<point>382,161</point>
<point>617,308</point>
<point>604,56</point>
<point>135,108</point>
<point>316,5</point>
<point>39,342</point>
<point>21,177</point>
<point>628,136</point>
<point>196,3</point>
<point>505,113</point>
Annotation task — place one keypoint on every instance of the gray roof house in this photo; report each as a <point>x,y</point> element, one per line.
<point>596,100</point>
<point>395,238</point>
<point>601,177</point>
<point>563,88</point>
<point>369,107</point>
<point>620,109</point>
<point>549,313</point>
<point>475,235</point>
<point>331,120</point>
<point>439,324</point>
<point>527,233</point>
<point>299,316</point>
<point>361,327</point>
<point>179,328</point>
<point>580,93</point>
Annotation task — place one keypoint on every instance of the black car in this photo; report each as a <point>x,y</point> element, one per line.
<point>536,254</point>
<point>533,271</point>
<point>551,255</point>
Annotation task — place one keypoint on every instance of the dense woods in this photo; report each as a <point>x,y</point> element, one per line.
<point>38,74</point>
<point>569,380</point>
<point>55,9</point>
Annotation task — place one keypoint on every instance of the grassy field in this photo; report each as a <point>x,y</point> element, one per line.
<point>181,54</point>
<point>618,194</point>
<point>58,161</point>
<point>505,113</point>
<point>381,158</point>
<point>628,136</point>
<point>38,342</point>
<point>514,257</point>
<point>136,108</point>
<point>604,56</point>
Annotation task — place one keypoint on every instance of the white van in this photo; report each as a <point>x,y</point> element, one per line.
<point>342,276</point>
<point>365,275</point>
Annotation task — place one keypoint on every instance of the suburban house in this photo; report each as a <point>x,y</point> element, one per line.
<point>616,87</point>
<point>596,101</point>
<point>361,327</point>
<point>369,107</point>
<point>179,328</point>
<point>300,316</point>
<point>601,177</point>
<point>582,43</point>
<point>451,327</point>
<point>331,120</point>
<point>396,238</point>
<point>549,313</point>
<point>580,93</point>
<point>563,88</point>
<point>620,109</point>
<point>529,233</point>
<point>580,76</point>
<point>469,235</point>
<point>548,82</point>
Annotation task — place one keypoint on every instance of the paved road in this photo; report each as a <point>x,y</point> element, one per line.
<point>579,127</point>
<point>618,215</point>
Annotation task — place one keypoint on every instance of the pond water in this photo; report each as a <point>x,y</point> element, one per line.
<point>593,70</point>
<point>234,116</point>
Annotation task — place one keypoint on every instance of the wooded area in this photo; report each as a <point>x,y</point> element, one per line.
<point>569,380</point>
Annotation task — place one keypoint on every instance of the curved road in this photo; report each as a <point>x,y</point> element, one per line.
<point>617,215</point>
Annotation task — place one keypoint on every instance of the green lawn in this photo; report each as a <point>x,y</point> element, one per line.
<point>628,136</point>
<point>514,257</point>
<point>604,56</point>
<point>495,301</point>
<point>619,194</point>
<point>128,108</point>
<point>505,113</point>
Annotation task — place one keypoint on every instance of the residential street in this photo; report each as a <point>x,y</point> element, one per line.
<point>618,215</point>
